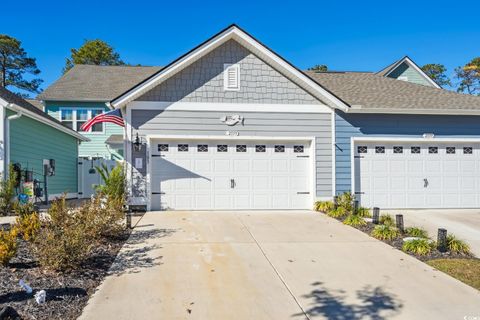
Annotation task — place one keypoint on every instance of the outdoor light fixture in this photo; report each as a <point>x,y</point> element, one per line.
<point>137,145</point>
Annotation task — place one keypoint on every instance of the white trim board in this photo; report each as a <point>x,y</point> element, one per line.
<point>235,33</point>
<point>228,107</point>
<point>413,139</point>
<point>414,66</point>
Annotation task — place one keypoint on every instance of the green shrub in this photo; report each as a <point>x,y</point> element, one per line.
<point>339,212</point>
<point>385,232</point>
<point>345,200</point>
<point>354,220</point>
<point>416,232</point>
<point>21,209</point>
<point>113,183</point>
<point>364,212</point>
<point>457,246</point>
<point>323,206</point>
<point>63,241</point>
<point>387,220</point>
<point>8,245</point>
<point>27,226</point>
<point>419,247</point>
<point>7,192</point>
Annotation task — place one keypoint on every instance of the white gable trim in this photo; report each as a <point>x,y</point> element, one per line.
<point>412,64</point>
<point>250,43</point>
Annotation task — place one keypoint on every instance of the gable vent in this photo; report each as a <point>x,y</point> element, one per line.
<point>231,77</point>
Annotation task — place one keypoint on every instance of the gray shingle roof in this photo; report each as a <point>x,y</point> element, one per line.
<point>372,91</point>
<point>12,98</point>
<point>96,83</point>
<point>36,103</point>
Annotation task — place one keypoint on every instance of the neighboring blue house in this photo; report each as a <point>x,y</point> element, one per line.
<point>29,138</point>
<point>233,125</point>
<point>83,92</point>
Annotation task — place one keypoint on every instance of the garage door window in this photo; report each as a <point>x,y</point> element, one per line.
<point>241,148</point>
<point>279,148</point>
<point>202,148</point>
<point>362,149</point>
<point>450,150</point>
<point>183,148</point>
<point>260,148</point>
<point>432,150</point>
<point>467,150</point>
<point>415,150</point>
<point>222,148</point>
<point>397,149</point>
<point>379,149</point>
<point>163,147</point>
<point>298,149</point>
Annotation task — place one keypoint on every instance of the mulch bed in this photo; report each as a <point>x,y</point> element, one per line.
<point>67,293</point>
<point>398,243</point>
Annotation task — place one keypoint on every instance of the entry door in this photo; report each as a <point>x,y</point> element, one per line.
<point>418,175</point>
<point>217,175</point>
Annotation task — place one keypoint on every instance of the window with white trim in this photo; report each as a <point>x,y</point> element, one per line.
<point>231,77</point>
<point>74,118</point>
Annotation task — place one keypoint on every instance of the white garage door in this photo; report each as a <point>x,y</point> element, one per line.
<point>418,175</point>
<point>205,175</point>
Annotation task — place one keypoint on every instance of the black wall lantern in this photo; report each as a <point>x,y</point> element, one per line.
<point>137,144</point>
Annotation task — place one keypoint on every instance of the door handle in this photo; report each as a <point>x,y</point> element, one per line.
<point>232,183</point>
<point>425,183</point>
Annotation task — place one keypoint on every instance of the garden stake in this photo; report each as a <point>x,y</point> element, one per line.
<point>335,202</point>
<point>355,207</point>
<point>128,215</point>
<point>399,221</point>
<point>442,240</point>
<point>376,215</point>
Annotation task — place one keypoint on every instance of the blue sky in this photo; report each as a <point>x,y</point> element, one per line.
<point>345,35</point>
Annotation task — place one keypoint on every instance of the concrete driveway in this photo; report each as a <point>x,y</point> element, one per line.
<point>270,265</point>
<point>463,223</point>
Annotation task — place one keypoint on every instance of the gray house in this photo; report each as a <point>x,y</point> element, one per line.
<point>233,125</point>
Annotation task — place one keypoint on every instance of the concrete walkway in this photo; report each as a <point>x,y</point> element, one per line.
<point>270,265</point>
<point>463,223</point>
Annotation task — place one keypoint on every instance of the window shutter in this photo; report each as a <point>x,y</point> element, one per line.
<point>231,77</point>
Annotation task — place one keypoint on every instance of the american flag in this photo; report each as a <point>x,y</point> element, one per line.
<point>114,116</point>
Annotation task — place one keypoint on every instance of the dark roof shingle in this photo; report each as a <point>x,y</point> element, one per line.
<point>96,83</point>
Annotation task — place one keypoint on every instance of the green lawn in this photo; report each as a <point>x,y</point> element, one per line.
<point>465,270</point>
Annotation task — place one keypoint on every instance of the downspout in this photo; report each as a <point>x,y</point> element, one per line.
<point>7,137</point>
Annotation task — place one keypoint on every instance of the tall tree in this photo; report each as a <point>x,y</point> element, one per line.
<point>438,73</point>
<point>96,52</point>
<point>15,63</point>
<point>469,76</point>
<point>319,68</point>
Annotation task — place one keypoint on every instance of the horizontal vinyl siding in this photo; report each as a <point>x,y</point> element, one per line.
<point>149,122</point>
<point>404,70</point>
<point>96,147</point>
<point>414,126</point>
<point>32,141</point>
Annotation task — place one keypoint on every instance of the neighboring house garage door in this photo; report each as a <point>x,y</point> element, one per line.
<point>418,175</point>
<point>222,175</point>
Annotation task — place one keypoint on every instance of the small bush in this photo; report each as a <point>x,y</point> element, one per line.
<point>364,212</point>
<point>63,241</point>
<point>7,192</point>
<point>8,246</point>
<point>21,209</point>
<point>354,220</point>
<point>419,247</point>
<point>387,220</point>
<point>27,226</point>
<point>102,218</point>
<point>345,200</point>
<point>113,183</point>
<point>457,246</point>
<point>385,232</point>
<point>416,232</point>
<point>323,206</point>
<point>339,212</point>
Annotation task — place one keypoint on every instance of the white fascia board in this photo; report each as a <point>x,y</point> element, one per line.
<point>228,107</point>
<point>452,112</point>
<point>150,137</point>
<point>416,140</point>
<point>46,121</point>
<point>234,33</point>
